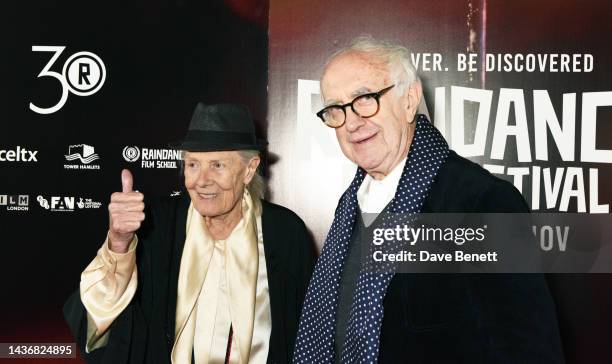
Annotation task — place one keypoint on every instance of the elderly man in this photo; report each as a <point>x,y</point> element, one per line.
<point>371,94</point>
<point>217,276</point>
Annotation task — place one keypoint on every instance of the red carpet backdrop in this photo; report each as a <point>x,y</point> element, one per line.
<point>72,120</point>
<point>523,88</point>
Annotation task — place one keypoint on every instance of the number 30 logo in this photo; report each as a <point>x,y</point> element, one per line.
<point>83,75</point>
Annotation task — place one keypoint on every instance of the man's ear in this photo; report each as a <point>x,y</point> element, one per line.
<point>251,169</point>
<point>413,96</point>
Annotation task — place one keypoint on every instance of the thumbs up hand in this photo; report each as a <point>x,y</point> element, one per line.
<point>126,213</point>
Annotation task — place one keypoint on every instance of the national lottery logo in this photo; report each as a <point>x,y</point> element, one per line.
<point>131,154</point>
<point>83,74</point>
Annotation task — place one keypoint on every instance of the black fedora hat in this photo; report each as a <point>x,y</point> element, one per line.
<point>220,127</point>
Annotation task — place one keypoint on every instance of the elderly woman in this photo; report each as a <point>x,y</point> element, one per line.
<point>217,276</point>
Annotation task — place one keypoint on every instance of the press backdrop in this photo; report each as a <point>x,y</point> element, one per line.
<point>87,89</point>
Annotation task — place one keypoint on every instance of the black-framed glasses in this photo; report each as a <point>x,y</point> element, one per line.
<point>365,106</point>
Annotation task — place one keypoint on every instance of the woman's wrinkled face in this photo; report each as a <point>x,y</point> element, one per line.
<point>216,181</point>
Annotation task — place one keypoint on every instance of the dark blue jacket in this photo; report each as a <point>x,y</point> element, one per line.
<point>469,318</point>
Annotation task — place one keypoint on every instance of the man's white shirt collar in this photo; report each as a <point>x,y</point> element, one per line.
<point>374,195</point>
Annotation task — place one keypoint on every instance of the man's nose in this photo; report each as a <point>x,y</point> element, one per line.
<point>353,121</point>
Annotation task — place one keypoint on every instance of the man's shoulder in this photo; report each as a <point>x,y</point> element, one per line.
<point>464,170</point>
<point>462,185</point>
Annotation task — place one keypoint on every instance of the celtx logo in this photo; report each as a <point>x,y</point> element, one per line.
<point>56,203</point>
<point>83,74</point>
<point>83,153</point>
<point>152,158</point>
<point>18,155</point>
<point>15,202</point>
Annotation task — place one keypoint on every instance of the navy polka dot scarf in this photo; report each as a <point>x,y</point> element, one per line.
<point>316,333</point>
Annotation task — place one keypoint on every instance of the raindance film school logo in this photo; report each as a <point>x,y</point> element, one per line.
<point>152,158</point>
<point>15,202</point>
<point>83,153</point>
<point>83,74</point>
<point>67,204</point>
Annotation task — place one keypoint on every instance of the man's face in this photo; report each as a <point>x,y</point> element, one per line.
<point>378,143</point>
<point>216,181</point>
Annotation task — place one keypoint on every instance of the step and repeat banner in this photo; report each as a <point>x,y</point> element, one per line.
<point>522,88</point>
<point>90,88</point>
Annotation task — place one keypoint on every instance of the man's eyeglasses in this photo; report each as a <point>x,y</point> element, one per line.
<point>364,106</point>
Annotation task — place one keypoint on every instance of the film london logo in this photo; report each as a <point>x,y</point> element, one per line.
<point>18,154</point>
<point>15,202</point>
<point>67,203</point>
<point>83,74</point>
<point>152,158</point>
<point>83,153</point>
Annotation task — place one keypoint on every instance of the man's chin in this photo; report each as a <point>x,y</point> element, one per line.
<point>369,164</point>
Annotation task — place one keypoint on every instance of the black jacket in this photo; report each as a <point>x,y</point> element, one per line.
<point>144,332</point>
<point>469,318</point>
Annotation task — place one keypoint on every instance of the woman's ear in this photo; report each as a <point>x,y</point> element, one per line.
<point>251,169</point>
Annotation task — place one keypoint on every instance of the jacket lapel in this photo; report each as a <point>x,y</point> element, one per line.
<point>276,285</point>
<point>179,235</point>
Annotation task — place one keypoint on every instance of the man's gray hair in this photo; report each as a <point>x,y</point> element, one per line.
<point>396,57</point>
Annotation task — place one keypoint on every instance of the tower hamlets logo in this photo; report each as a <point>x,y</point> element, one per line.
<point>83,74</point>
<point>83,153</point>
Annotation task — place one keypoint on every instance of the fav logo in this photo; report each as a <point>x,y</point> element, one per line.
<point>56,203</point>
<point>67,203</point>
<point>83,74</point>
